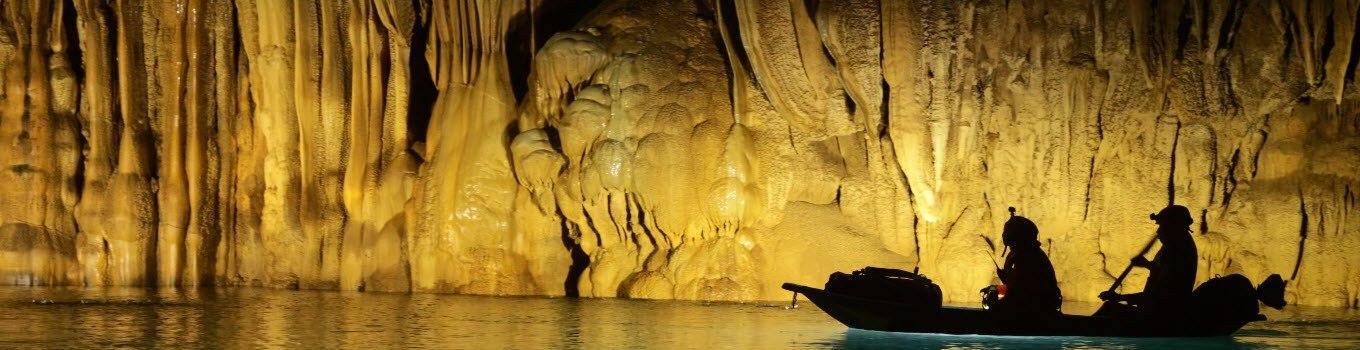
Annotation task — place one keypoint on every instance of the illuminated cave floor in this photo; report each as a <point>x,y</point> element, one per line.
<point>266,318</point>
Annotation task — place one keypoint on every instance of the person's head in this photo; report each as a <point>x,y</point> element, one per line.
<point>1271,292</point>
<point>1174,219</point>
<point>1019,232</point>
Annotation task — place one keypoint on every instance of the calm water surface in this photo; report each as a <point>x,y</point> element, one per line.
<point>101,318</point>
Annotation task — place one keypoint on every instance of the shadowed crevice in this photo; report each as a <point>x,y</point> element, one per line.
<point>1171,175</point>
<point>1303,235</point>
<point>579,262</point>
<point>422,91</point>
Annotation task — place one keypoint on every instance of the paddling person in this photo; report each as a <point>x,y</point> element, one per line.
<point>1172,271</point>
<point>1031,286</point>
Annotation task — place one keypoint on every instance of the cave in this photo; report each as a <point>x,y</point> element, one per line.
<point>695,150</point>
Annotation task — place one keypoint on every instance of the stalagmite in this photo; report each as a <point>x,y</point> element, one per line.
<point>669,149</point>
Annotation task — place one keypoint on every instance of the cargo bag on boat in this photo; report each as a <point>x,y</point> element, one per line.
<point>887,284</point>
<point>1229,298</point>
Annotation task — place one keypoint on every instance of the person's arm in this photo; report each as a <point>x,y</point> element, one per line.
<point>1136,298</point>
<point>1131,298</point>
<point>1006,267</point>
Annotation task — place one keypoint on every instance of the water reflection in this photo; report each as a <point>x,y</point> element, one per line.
<point>277,319</point>
<point>858,339</point>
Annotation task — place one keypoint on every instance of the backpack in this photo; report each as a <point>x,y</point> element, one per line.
<point>888,285</point>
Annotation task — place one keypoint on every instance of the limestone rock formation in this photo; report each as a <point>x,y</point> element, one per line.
<point>707,149</point>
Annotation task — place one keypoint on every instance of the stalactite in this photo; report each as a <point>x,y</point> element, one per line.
<point>101,137</point>
<point>38,123</point>
<point>200,162</point>
<point>241,246</point>
<point>475,106</point>
<point>1307,29</point>
<point>906,112</point>
<point>735,64</point>
<point>1343,27</point>
<point>851,31</point>
<point>169,121</point>
<point>219,148</point>
<point>269,45</point>
<point>787,60</point>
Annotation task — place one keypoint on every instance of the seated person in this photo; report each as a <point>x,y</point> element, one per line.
<point>1171,276</point>
<point>1031,286</point>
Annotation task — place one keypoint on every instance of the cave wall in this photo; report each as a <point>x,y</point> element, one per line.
<point>707,149</point>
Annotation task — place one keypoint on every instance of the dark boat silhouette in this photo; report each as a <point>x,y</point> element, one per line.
<point>892,316</point>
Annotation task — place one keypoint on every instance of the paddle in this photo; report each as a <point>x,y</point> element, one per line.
<point>1145,250</point>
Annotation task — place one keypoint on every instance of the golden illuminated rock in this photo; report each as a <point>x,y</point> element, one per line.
<point>670,149</point>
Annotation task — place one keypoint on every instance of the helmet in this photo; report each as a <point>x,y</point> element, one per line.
<point>1173,215</point>
<point>1019,229</point>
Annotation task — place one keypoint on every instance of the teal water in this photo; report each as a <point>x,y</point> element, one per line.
<point>104,318</point>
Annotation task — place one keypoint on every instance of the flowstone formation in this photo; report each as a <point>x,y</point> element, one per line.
<point>707,149</point>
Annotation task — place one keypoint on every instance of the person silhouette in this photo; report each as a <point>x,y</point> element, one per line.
<point>1031,285</point>
<point>1171,277</point>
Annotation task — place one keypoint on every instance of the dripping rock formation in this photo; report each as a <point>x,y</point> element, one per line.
<point>706,149</point>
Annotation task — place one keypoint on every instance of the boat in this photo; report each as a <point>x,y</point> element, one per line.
<point>892,316</point>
